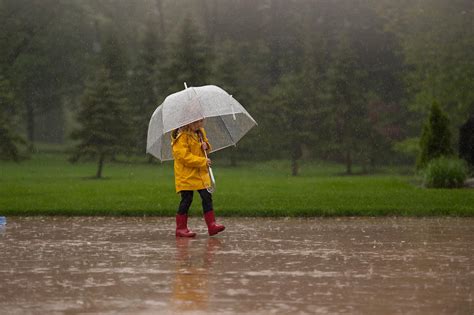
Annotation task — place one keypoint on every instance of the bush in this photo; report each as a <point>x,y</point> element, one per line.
<point>435,139</point>
<point>466,141</point>
<point>445,172</point>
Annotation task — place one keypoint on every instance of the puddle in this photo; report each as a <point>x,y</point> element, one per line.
<point>102,265</point>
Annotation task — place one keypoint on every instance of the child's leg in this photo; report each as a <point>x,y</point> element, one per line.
<point>206,198</point>
<point>182,215</point>
<point>186,200</point>
<point>212,227</point>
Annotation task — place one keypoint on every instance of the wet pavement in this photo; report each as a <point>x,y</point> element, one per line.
<point>54,265</point>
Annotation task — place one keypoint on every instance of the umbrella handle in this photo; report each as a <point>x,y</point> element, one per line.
<point>211,188</point>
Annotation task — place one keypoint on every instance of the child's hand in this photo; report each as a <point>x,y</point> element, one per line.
<point>209,162</point>
<point>204,146</point>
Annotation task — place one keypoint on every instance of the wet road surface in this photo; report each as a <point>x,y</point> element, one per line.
<point>55,265</point>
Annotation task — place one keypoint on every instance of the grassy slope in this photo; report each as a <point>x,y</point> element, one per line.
<point>48,185</point>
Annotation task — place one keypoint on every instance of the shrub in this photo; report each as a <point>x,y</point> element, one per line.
<point>435,139</point>
<point>466,141</point>
<point>445,172</point>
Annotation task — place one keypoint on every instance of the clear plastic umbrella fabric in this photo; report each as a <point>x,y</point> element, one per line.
<point>226,120</point>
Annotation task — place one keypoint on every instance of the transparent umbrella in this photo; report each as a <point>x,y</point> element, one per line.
<point>226,120</point>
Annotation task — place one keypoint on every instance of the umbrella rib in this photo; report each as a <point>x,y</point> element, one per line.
<point>199,102</point>
<point>227,129</point>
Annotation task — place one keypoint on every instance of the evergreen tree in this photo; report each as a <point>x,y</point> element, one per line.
<point>114,58</point>
<point>9,140</point>
<point>291,118</point>
<point>466,141</point>
<point>144,86</point>
<point>103,122</point>
<point>281,34</point>
<point>315,66</point>
<point>435,139</point>
<point>43,77</point>
<point>189,60</point>
<point>437,37</point>
<point>230,74</point>
<point>345,120</point>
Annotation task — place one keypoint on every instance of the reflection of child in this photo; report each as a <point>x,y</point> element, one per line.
<point>191,173</point>
<point>190,288</point>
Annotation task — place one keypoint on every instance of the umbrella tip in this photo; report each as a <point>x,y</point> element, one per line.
<point>185,85</point>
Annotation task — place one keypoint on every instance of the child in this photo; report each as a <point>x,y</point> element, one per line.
<point>191,173</point>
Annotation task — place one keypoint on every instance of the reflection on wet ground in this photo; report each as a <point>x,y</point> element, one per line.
<point>257,266</point>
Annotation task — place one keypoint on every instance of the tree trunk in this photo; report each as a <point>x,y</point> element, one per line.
<point>348,162</point>
<point>233,160</point>
<point>30,126</point>
<point>373,164</point>
<point>100,166</point>
<point>294,167</point>
<point>365,168</point>
<point>296,154</point>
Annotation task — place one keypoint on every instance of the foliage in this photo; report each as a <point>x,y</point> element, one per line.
<point>466,141</point>
<point>237,76</point>
<point>144,86</point>
<point>104,126</point>
<point>435,139</point>
<point>409,147</point>
<point>439,42</point>
<point>44,57</point>
<point>290,118</point>
<point>366,70</point>
<point>9,139</point>
<point>347,98</point>
<point>113,56</point>
<point>445,172</point>
<point>189,60</point>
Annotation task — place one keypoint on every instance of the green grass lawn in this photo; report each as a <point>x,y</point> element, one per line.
<point>48,185</point>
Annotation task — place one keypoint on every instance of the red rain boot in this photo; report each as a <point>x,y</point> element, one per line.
<point>212,227</point>
<point>182,226</point>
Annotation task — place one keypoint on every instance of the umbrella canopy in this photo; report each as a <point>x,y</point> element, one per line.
<point>226,120</point>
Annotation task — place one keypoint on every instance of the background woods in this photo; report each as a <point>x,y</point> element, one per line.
<point>347,81</point>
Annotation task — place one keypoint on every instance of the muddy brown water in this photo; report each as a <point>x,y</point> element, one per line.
<point>95,265</point>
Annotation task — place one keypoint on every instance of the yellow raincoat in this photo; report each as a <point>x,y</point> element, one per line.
<point>190,167</point>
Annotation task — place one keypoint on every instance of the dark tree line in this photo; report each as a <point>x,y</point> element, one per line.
<point>343,80</point>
